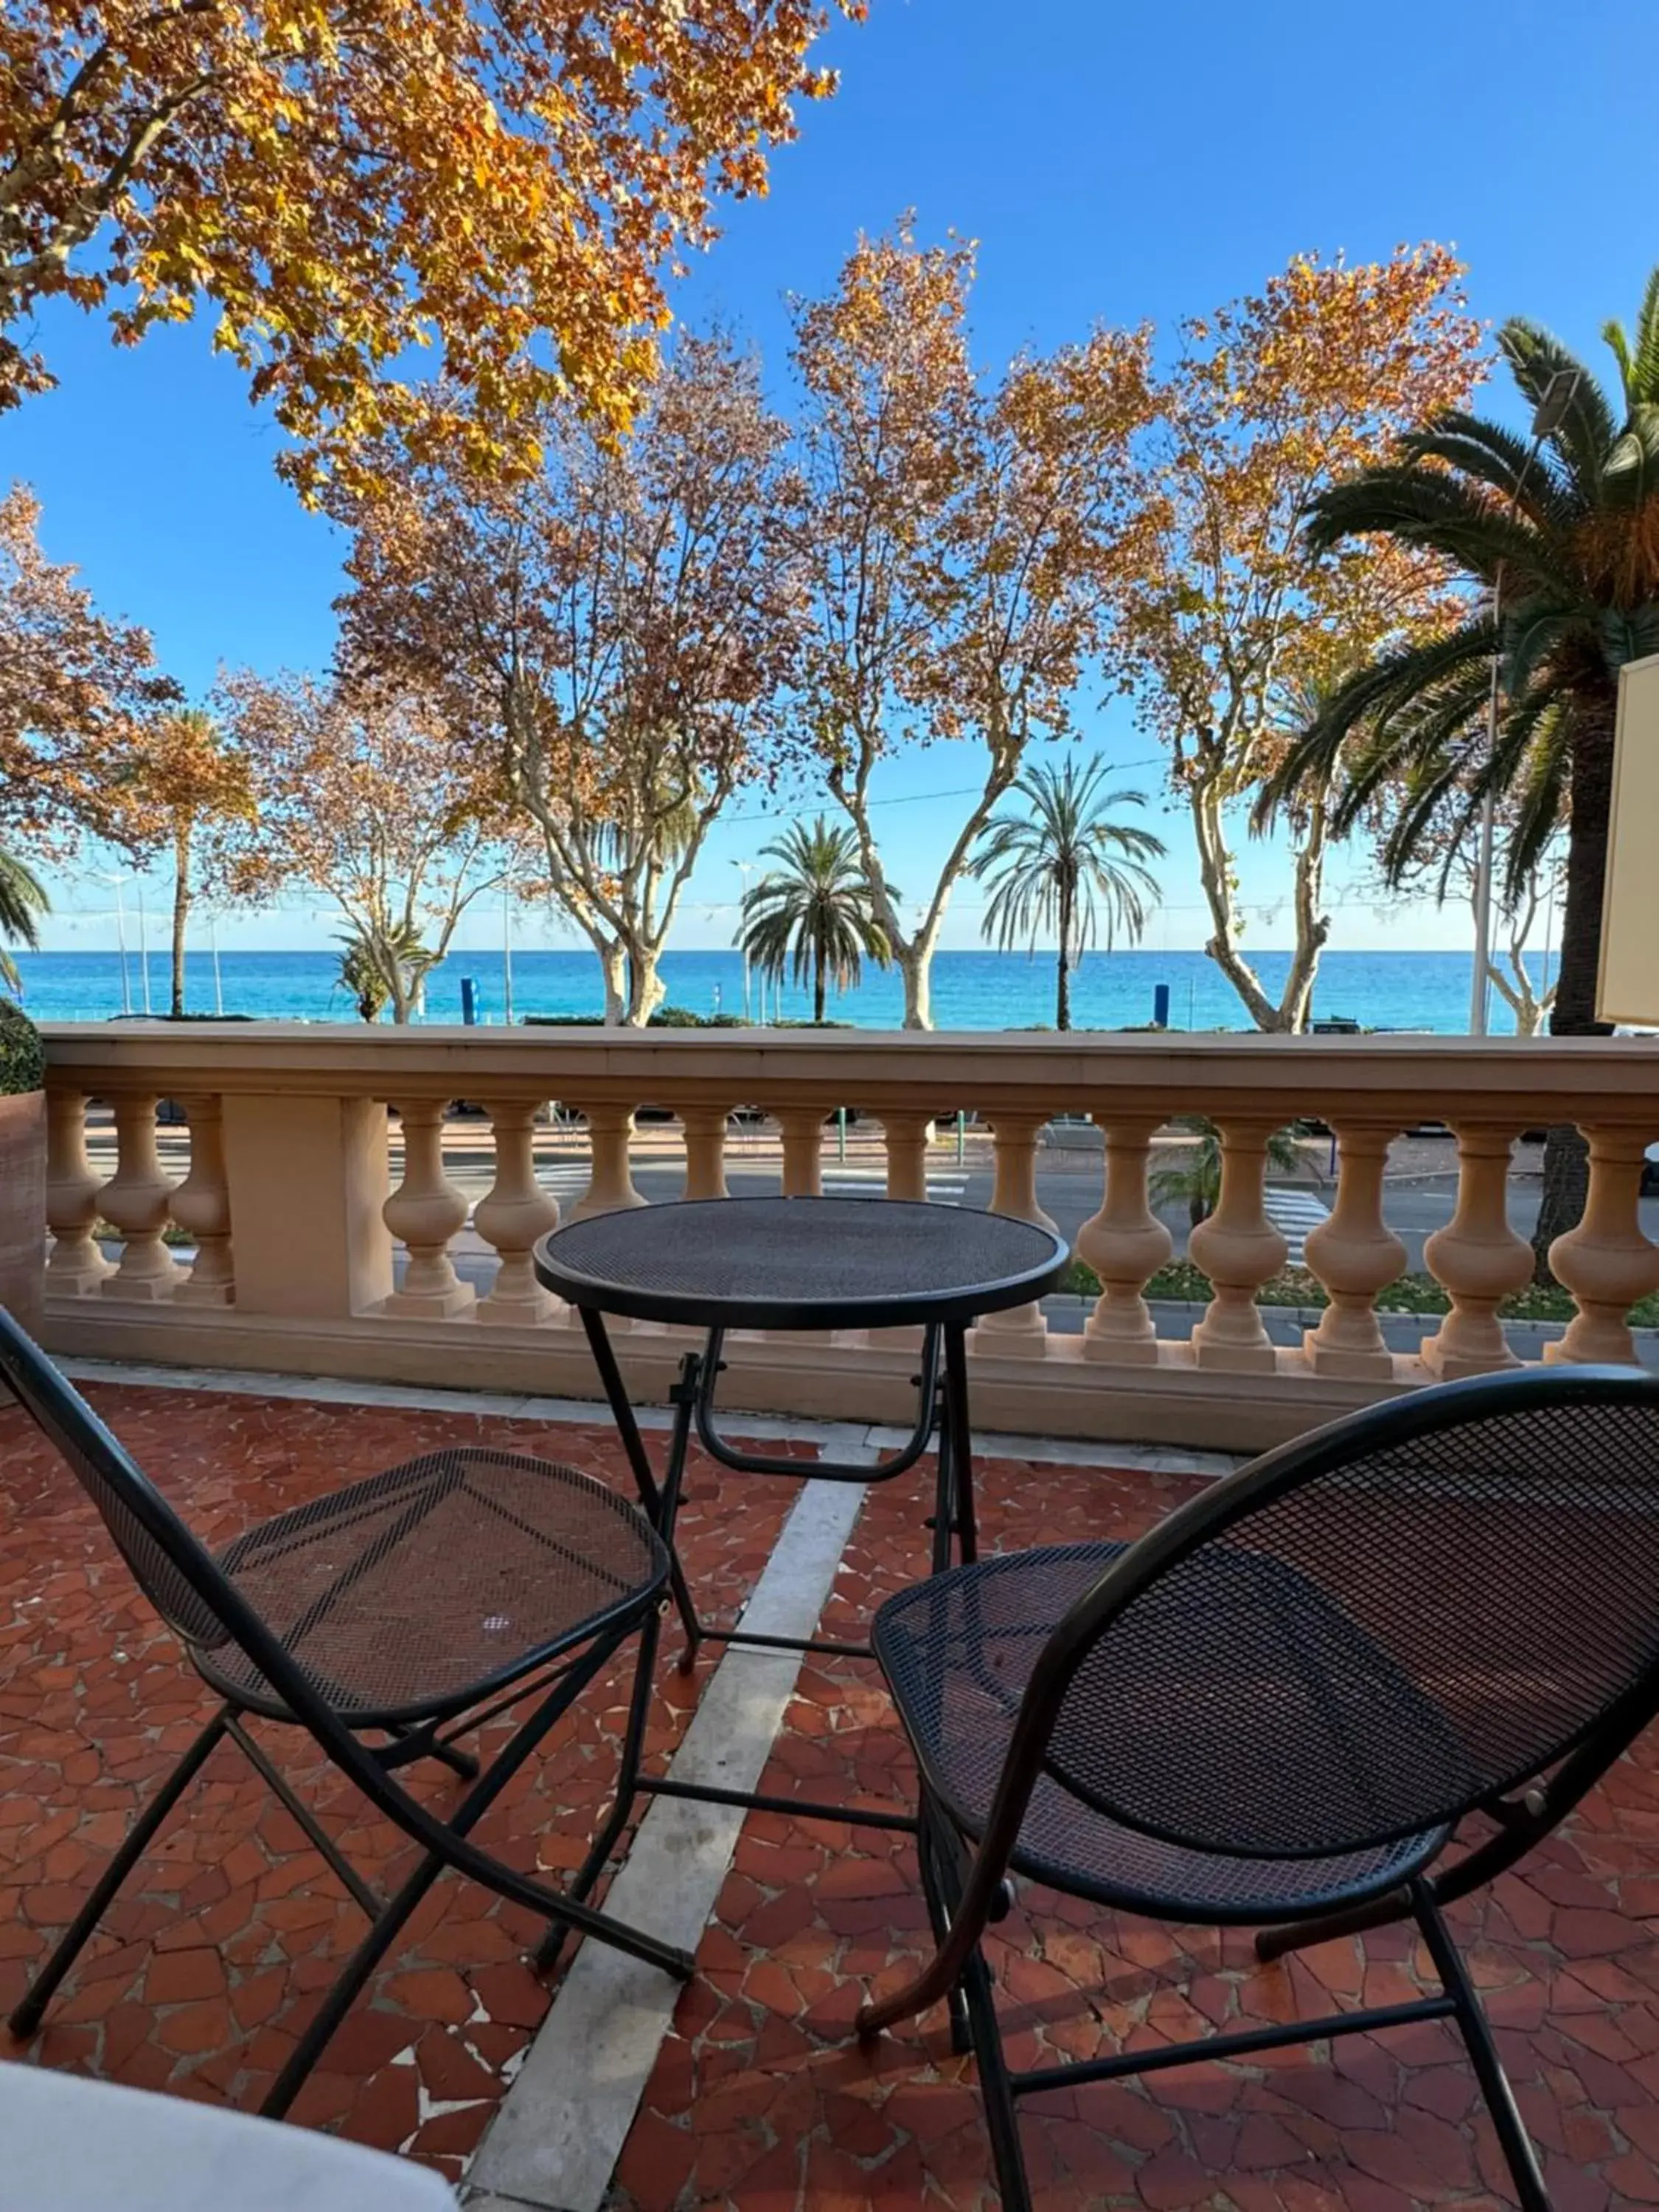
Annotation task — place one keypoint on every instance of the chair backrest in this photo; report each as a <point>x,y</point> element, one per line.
<point>175,1571</point>
<point>1377,1628</point>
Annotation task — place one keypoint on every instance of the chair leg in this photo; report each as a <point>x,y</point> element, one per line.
<point>683,1398</point>
<point>972,2002</point>
<point>468,1814</point>
<point>1511,2129</point>
<point>599,1850</point>
<point>26,2015</point>
<point>1002,2120</point>
<point>341,1997</point>
<point>929,1846</point>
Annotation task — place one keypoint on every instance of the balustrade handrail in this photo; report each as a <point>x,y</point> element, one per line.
<point>1408,1074</point>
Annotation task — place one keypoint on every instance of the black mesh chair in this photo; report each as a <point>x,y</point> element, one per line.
<point>415,1606</point>
<point>1276,1710</point>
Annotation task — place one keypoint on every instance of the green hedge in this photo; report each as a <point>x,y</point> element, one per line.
<point>1297,1286</point>
<point>23,1059</point>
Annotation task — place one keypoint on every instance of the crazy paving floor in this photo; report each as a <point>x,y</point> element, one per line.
<point>759,2100</point>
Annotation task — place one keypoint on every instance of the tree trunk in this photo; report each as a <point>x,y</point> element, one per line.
<point>819,999</point>
<point>613,968</point>
<point>1566,1157</point>
<point>180,913</point>
<point>645,989</point>
<point>1215,873</point>
<point>1215,868</point>
<point>914,964</point>
<point>1063,963</point>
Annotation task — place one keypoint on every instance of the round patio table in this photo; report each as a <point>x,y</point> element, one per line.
<point>800,1263</point>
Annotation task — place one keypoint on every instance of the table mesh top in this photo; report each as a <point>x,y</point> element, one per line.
<point>741,1259</point>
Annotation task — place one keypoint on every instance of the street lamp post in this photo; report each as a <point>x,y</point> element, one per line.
<point>743,868</point>
<point>1559,395</point>
<point>143,947</point>
<point>120,937</point>
<point>506,953</point>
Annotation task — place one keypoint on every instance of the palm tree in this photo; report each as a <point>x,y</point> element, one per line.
<point>22,901</point>
<point>1066,864</point>
<point>1560,536</point>
<point>369,958</point>
<point>814,914</point>
<point>1195,1180</point>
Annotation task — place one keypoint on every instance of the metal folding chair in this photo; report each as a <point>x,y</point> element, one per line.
<point>416,1605</point>
<point>1276,1708</point>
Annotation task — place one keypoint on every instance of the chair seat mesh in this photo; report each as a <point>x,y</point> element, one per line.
<point>958,1652</point>
<point>410,1593</point>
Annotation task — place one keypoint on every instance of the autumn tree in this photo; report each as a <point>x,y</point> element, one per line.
<point>365,796</point>
<point>190,795</point>
<point>961,544</point>
<point>345,180</point>
<point>615,636</point>
<point>1232,616</point>
<point>77,691</point>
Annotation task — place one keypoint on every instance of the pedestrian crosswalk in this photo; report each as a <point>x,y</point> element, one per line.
<point>1296,1214</point>
<point>947,1185</point>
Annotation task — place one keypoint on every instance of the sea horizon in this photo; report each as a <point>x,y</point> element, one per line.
<point>972,989</point>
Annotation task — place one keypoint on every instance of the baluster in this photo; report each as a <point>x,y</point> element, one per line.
<point>136,1199</point>
<point>610,1182</point>
<point>803,1151</point>
<point>1126,1244</point>
<point>76,1266</point>
<point>514,1214</point>
<point>425,1211</point>
<point>1354,1255</point>
<point>705,1150</point>
<point>202,1205</point>
<point>1478,1258</point>
<point>1239,1249</point>
<point>905,1136</point>
<point>1021,1333</point>
<point>1606,1262</point>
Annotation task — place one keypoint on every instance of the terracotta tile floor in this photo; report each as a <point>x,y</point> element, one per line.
<point>760,2101</point>
<point>212,1956</point>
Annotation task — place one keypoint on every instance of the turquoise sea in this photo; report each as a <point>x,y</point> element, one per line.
<point>971,990</point>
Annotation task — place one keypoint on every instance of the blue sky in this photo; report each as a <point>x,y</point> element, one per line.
<point>1114,163</point>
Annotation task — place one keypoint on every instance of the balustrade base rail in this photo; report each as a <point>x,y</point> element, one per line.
<point>1060,1394</point>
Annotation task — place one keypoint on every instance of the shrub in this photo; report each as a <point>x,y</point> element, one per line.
<point>22,1058</point>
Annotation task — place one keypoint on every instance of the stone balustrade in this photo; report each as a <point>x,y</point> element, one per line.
<point>296,1217</point>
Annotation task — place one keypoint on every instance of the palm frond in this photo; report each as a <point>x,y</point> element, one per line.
<point>1425,507</point>
<point>1588,427</point>
<point>1642,383</point>
<point>23,900</point>
<point>1491,453</point>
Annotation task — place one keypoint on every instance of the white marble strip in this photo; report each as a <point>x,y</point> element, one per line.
<point>834,1439</point>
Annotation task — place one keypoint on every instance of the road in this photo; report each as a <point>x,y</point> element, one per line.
<point>1068,1183</point>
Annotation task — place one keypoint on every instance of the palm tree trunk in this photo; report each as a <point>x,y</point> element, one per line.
<point>818,997</point>
<point>1566,1158</point>
<point>180,913</point>
<point>1063,969</point>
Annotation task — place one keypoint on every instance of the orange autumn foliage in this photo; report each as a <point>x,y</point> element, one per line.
<point>1228,619</point>
<point>505,180</point>
<point>77,691</point>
